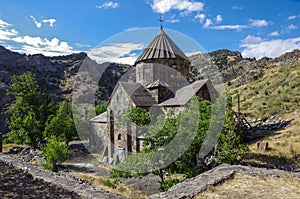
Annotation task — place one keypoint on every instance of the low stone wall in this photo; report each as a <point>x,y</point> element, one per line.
<point>66,182</point>
<point>187,189</point>
<point>192,187</point>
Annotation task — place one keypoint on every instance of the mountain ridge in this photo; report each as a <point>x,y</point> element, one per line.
<point>56,75</point>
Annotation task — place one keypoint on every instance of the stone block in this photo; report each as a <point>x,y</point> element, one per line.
<point>263,146</point>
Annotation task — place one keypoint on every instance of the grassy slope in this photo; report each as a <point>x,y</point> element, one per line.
<point>277,93</point>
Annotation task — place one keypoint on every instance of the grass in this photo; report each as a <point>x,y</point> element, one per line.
<point>244,186</point>
<point>7,147</point>
<point>279,89</point>
<point>277,93</point>
<point>112,185</point>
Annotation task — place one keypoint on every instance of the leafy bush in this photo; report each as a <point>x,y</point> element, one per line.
<point>111,184</point>
<point>61,124</point>
<point>170,183</point>
<point>139,116</point>
<point>118,173</point>
<point>55,152</point>
<point>97,110</point>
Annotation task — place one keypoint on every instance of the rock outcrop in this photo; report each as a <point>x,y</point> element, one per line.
<point>192,187</point>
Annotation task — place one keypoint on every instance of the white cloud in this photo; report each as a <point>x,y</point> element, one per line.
<point>50,21</point>
<point>259,22</point>
<point>38,24</point>
<point>237,8</point>
<point>32,45</point>
<point>38,45</point>
<point>207,23</point>
<point>219,18</point>
<point>132,29</point>
<point>250,39</point>
<point>185,6</point>
<point>201,17</point>
<point>292,17</point>
<point>257,47</point>
<point>108,4</point>
<point>120,53</point>
<point>6,33</point>
<point>229,27</point>
<point>292,27</point>
<point>274,34</point>
<point>193,53</point>
<point>172,19</point>
<point>4,24</point>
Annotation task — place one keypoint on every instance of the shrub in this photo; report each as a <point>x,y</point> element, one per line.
<point>169,183</point>
<point>111,184</point>
<point>55,152</point>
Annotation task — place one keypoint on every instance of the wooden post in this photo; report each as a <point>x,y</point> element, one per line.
<point>1,139</point>
<point>239,109</point>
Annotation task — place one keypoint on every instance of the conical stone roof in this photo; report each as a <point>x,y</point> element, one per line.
<point>161,47</point>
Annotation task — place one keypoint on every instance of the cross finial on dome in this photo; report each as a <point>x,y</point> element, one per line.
<point>161,21</point>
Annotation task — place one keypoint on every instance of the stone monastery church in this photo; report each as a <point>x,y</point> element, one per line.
<point>161,81</point>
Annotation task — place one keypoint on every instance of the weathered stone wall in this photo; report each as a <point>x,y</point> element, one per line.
<point>120,103</point>
<point>98,139</point>
<point>172,71</point>
<point>64,181</point>
<point>192,187</point>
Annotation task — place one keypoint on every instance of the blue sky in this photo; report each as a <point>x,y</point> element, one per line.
<point>257,28</point>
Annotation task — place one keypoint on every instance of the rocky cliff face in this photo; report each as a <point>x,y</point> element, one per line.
<point>236,70</point>
<point>55,76</point>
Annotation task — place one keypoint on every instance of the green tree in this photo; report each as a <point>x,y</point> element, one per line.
<point>97,110</point>
<point>139,116</point>
<point>180,128</point>
<point>101,108</point>
<point>62,124</point>
<point>230,150</point>
<point>30,110</point>
<point>55,152</point>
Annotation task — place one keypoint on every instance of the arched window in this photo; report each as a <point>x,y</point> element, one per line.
<point>119,137</point>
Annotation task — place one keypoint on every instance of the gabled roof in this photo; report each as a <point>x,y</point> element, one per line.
<point>161,47</point>
<point>157,83</point>
<point>138,94</point>
<point>102,118</point>
<point>184,94</point>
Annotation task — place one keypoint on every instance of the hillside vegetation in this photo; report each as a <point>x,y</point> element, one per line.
<point>276,94</point>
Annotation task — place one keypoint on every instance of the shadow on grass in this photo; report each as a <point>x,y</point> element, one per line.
<point>271,162</point>
<point>257,133</point>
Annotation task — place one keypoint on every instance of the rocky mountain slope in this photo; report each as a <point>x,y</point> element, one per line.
<point>56,75</point>
<point>236,70</point>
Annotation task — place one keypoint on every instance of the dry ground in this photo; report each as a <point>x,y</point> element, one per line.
<point>248,187</point>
